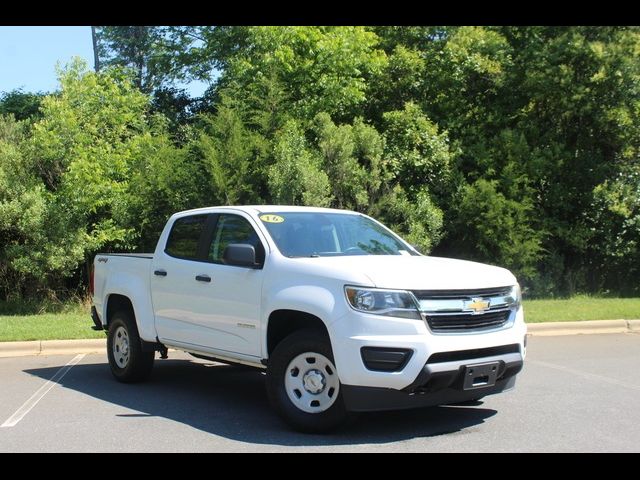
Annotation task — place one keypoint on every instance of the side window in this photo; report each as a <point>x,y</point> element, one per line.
<point>185,236</point>
<point>233,229</point>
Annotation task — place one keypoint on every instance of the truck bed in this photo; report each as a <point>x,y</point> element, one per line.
<point>135,255</point>
<point>125,274</point>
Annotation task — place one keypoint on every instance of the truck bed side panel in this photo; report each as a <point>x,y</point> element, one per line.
<point>126,275</point>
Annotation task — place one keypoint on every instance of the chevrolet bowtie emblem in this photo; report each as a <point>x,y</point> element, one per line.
<point>477,305</point>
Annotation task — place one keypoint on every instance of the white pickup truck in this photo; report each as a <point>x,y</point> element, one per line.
<point>343,314</point>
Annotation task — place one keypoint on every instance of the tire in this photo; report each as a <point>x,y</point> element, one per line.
<point>303,385</point>
<point>128,362</point>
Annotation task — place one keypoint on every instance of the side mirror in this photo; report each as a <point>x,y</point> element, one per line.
<point>240,255</point>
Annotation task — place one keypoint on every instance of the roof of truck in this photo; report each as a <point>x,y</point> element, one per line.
<point>257,209</point>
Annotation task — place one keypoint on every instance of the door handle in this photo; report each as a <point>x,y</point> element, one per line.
<point>203,278</point>
<point>160,273</point>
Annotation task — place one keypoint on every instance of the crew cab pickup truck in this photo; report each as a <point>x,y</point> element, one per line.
<point>342,313</point>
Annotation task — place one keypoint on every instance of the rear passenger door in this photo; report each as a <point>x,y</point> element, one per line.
<point>173,285</point>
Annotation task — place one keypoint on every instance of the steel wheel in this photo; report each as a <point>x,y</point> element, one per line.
<point>121,347</point>
<point>311,382</point>
<point>127,360</point>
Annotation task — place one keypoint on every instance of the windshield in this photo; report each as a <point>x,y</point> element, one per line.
<point>310,234</point>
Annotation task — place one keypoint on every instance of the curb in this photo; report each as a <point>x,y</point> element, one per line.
<point>52,347</point>
<point>547,329</point>
<point>586,327</point>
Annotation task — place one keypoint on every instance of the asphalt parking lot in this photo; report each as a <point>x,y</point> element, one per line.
<point>576,393</point>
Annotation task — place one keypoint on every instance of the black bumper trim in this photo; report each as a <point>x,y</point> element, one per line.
<point>437,376</point>
<point>366,399</point>
<point>436,384</point>
<point>383,359</point>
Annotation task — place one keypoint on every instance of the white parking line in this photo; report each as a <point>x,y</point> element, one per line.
<point>41,392</point>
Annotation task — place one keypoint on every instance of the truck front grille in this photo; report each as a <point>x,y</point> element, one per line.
<point>465,322</point>
<point>455,294</point>
<point>451,311</point>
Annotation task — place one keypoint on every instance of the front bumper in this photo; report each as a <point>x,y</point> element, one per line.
<point>430,359</point>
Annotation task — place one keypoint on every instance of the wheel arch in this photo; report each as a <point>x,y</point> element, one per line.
<point>115,303</point>
<point>284,322</point>
<point>131,296</point>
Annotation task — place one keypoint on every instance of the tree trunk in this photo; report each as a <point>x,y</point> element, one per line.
<point>96,57</point>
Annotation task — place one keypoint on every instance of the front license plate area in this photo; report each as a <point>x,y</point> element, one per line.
<point>480,375</point>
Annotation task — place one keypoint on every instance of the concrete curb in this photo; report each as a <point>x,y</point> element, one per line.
<point>583,328</point>
<point>52,347</point>
<point>69,347</point>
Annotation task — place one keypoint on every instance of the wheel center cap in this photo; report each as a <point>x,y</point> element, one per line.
<point>125,347</point>
<point>314,381</point>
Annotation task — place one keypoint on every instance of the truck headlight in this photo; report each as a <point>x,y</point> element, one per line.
<point>516,293</point>
<point>391,303</point>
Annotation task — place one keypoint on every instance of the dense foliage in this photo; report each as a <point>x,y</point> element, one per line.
<point>516,146</point>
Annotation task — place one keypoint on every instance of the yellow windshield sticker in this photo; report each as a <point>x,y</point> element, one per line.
<point>270,218</point>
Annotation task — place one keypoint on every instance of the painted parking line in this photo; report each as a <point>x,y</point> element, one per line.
<point>40,393</point>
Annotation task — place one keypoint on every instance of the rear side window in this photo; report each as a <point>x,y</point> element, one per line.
<point>185,236</point>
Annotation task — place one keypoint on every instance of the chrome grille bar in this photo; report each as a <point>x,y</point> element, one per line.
<point>467,310</point>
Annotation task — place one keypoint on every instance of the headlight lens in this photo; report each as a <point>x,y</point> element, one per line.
<point>391,303</point>
<point>516,293</point>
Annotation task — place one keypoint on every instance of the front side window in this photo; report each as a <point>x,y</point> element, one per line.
<point>233,229</point>
<point>312,234</point>
<point>185,236</point>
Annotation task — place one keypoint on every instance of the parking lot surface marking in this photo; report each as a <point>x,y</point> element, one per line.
<point>40,393</point>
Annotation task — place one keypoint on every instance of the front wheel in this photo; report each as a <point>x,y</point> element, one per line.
<point>303,384</point>
<point>128,362</point>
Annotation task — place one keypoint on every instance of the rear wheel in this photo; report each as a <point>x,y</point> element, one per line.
<point>303,384</point>
<point>128,362</point>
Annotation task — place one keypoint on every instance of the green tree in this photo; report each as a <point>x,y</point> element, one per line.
<point>336,144</point>
<point>148,51</point>
<point>418,219</point>
<point>22,105</point>
<point>296,177</point>
<point>234,156</point>
<point>164,179</point>
<point>416,150</point>
<point>495,229</point>
<point>82,151</point>
<point>22,208</point>
<point>511,145</point>
<point>577,93</point>
<point>324,69</point>
<point>615,242</point>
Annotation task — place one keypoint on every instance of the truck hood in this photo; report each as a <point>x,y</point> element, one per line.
<point>414,272</point>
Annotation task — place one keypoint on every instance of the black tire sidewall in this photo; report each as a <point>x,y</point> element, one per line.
<point>292,346</point>
<point>140,363</point>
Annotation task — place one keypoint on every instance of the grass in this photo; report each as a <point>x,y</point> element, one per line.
<point>29,321</point>
<point>581,307</point>
<point>66,322</point>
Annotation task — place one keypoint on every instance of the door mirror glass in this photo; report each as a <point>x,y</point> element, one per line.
<point>241,255</point>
